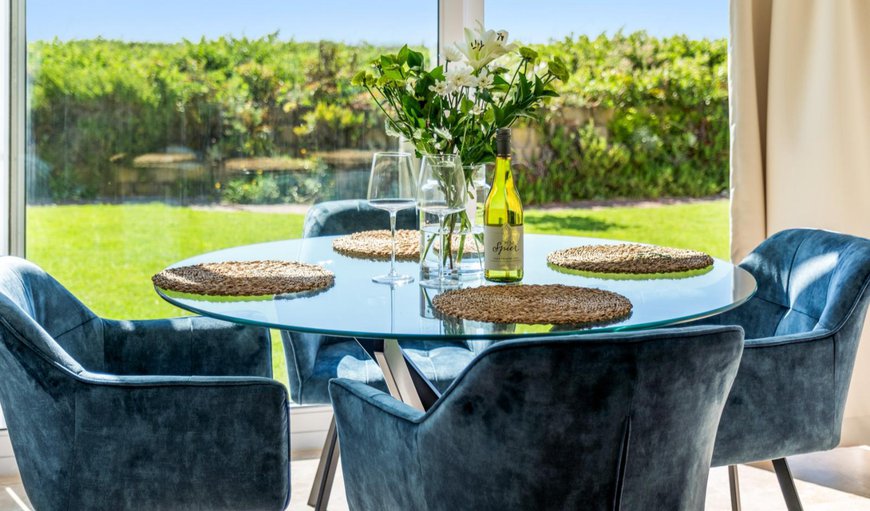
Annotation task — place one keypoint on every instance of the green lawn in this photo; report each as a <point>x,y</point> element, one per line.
<point>106,254</point>
<point>699,226</point>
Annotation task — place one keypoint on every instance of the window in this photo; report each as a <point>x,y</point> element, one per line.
<point>644,116</point>
<point>156,130</point>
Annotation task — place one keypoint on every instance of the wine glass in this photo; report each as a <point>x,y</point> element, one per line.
<point>392,187</point>
<point>441,191</point>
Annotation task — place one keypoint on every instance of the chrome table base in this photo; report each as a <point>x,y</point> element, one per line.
<point>405,382</point>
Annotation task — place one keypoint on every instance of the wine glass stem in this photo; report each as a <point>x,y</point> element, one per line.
<point>393,236</point>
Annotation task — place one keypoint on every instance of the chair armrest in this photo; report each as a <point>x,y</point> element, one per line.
<point>182,443</point>
<point>781,340</point>
<point>379,453</point>
<point>351,390</point>
<point>186,346</point>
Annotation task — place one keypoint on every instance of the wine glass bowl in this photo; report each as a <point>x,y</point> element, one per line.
<point>392,188</point>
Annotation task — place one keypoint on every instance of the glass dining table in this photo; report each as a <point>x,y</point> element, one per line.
<point>380,316</point>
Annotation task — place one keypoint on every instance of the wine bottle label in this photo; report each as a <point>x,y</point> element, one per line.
<point>504,247</point>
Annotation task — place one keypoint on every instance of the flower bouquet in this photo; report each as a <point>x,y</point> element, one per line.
<point>485,83</point>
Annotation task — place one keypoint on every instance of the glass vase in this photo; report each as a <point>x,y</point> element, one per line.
<point>463,258</point>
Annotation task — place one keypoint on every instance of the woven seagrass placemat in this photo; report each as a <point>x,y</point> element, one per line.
<point>629,258</point>
<point>378,245</point>
<point>244,278</point>
<point>551,304</point>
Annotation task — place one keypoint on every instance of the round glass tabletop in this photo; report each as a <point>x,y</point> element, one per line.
<point>357,307</point>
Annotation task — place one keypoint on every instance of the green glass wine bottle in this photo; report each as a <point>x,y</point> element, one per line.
<point>503,219</point>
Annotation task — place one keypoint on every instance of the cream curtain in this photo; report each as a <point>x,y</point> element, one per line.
<point>800,134</point>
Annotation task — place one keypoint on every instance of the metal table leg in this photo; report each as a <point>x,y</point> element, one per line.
<point>405,382</point>
<point>325,475</point>
<point>734,485</point>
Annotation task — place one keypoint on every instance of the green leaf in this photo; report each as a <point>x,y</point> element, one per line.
<point>402,56</point>
<point>410,105</point>
<point>539,86</point>
<point>437,73</point>
<point>415,59</point>
<point>466,105</point>
<point>498,116</point>
<point>489,115</point>
<point>393,75</point>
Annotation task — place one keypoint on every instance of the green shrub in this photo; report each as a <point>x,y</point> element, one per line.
<point>657,121</point>
<point>262,189</point>
<point>639,116</point>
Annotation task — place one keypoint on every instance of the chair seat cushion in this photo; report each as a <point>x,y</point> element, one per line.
<point>440,361</point>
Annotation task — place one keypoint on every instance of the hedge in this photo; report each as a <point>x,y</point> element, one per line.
<point>639,117</point>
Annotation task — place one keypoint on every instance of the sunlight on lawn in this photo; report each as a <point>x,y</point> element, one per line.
<point>699,226</point>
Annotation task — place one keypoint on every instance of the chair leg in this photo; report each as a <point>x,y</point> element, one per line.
<point>786,484</point>
<point>325,475</point>
<point>734,484</point>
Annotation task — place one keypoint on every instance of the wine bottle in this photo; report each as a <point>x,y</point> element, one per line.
<point>503,219</point>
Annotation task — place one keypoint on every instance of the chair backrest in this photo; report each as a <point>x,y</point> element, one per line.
<point>349,216</point>
<point>586,422</point>
<point>807,280</point>
<point>37,386</point>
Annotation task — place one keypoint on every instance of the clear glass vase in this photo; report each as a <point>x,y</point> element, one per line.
<point>463,258</point>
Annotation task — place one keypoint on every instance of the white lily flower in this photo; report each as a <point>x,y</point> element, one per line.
<point>459,75</point>
<point>447,113</point>
<point>442,88</point>
<point>483,46</point>
<point>478,109</point>
<point>451,54</point>
<point>484,79</point>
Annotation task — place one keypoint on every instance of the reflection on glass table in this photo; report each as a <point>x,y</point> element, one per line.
<point>357,307</point>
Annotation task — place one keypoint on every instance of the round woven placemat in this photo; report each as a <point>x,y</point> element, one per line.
<point>629,258</point>
<point>378,245</point>
<point>244,278</point>
<point>551,304</point>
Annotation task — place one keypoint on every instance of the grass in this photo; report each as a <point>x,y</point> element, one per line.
<point>699,225</point>
<point>106,254</point>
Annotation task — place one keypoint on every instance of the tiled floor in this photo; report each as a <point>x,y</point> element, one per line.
<point>759,488</point>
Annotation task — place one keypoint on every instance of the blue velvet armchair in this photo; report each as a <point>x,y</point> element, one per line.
<point>802,332</point>
<point>127,415</point>
<point>313,359</point>
<point>621,421</point>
